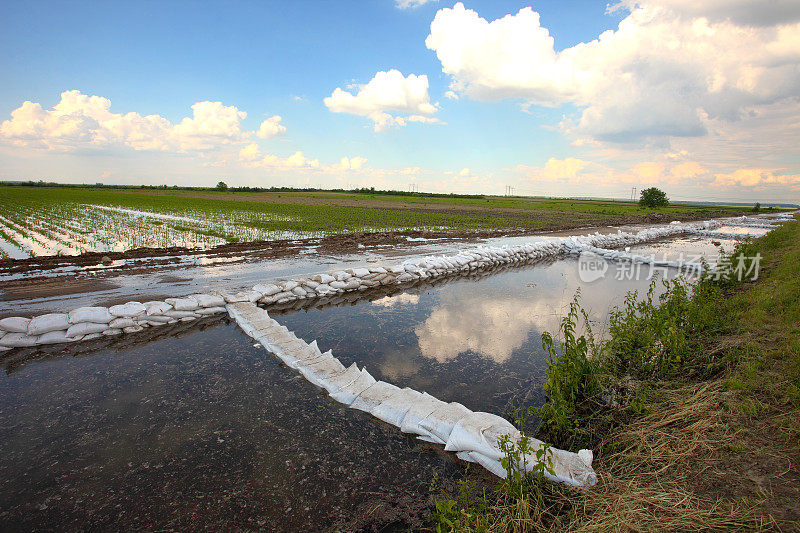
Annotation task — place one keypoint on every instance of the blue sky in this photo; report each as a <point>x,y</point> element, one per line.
<point>286,58</point>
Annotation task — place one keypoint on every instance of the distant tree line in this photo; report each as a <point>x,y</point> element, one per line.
<point>222,186</point>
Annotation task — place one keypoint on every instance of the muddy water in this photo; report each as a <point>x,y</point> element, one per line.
<point>206,431</point>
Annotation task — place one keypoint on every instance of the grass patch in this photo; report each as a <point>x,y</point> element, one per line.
<point>692,407</point>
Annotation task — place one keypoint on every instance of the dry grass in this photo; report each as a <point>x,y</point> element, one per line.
<point>648,481</point>
<point>651,477</point>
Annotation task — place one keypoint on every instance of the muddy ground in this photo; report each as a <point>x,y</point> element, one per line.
<point>342,243</point>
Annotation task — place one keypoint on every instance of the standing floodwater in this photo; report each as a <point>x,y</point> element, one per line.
<point>205,430</point>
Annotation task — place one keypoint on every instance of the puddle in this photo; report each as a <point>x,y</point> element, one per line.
<point>199,432</point>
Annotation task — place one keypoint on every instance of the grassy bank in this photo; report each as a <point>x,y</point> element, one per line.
<point>692,406</point>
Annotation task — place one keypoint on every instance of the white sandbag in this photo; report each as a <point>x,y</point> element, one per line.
<point>179,314</point>
<point>91,336</point>
<point>210,310</point>
<point>18,340</point>
<point>15,324</point>
<point>347,394</point>
<point>85,328</point>
<point>441,421</point>
<point>157,308</point>
<point>98,315</point>
<point>418,411</point>
<point>110,332</point>
<point>492,465</point>
<point>318,372</point>
<point>209,300</point>
<point>287,286</point>
<point>188,319</point>
<point>479,432</point>
<point>162,319</point>
<point>373,396</point>
<point>133,329</point>
<point>323,278</point>
<point>569,468</point>
<point>359,272</point>
<point>238,297</point>
<point>183,304</point>
<point>334,383</point>
<point>128,310</point>
<point>56,337</point>
<point>299,291</point>
<point>47,323</point>
<point>303,357</point>
<point>394,409</point>
<point>119,323</point>
<point>267,289</point>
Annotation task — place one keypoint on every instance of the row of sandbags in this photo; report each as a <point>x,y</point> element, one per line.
<point>86,323</point>
<point>473,436</point>
<point>91,322</point>
<point>691,267</point>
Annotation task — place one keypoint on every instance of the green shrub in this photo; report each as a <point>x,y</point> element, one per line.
<point>572,377</point>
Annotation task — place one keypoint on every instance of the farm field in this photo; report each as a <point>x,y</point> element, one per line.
<point>46,221</point>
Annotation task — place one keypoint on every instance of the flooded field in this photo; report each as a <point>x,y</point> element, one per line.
<point>205,430</point>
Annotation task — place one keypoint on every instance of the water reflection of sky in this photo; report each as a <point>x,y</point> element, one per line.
<point>198,432</point>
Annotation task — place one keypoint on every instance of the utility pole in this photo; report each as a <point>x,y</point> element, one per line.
<point>633,193</point>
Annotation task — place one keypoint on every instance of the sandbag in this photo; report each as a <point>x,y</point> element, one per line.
<point>318,372</point>
<point>209,300</point>
<point>119,323</point>
<point>183,304</point>
<point>373,396</point>
<point>18,340</point>
<point>47,323</point>
<point>133,329</point>
<point>157,308</point>
<point>163,319</point>
<point>267,289</point>
<point>479,432</point>
<point>210,310</point>
<point>441,421</point>
<point>56,337</point>
<point>336,382</point>
<point>394,409</point>
<point>179,314</point>
<point>422,406</point>
<point>347,394</point>
<point>128,310</point>
<point>110,332</point>
<point>492,465</point>
<point>98,315</point>
<point>85,328</point>
<point>15,324</point>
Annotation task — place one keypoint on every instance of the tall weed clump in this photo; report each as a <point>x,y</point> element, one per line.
<point>572,378</point>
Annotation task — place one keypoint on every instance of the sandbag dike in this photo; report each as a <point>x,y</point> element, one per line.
<point>87,323</point>
<point>472,436</point>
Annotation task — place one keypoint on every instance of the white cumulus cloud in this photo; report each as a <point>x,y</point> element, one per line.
<point>385,99</point>
<point>80,121</point>
<point>666,71</point>
<point>271,127</point>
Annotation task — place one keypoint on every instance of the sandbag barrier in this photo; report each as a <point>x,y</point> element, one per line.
<point>473,436</point>
<point>87,323</point>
